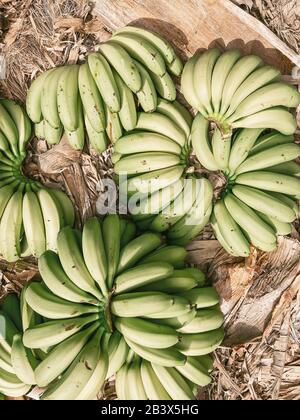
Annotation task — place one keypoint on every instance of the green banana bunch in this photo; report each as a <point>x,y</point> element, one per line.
<point>86,321</point>
<point>30,215</point>
<point>17,363</point>
<point>239,92</point>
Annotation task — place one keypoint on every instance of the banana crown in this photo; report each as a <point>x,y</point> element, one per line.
<point>111,302</point>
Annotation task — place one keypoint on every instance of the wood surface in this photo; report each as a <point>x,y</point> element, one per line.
<point>198,24</point>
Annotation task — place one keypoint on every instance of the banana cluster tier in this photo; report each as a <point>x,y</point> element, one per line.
<point>238,91</point>
<point>102,97</point>
<point>112,303</point>
<point>30,215</point>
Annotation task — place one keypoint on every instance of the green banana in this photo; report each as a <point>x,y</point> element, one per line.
<point>49,103</point>
<point>265,203</point>
<point>205,320</point>
<point>179,282</point>
<point>142,275</point>
<point>66,205</point>
<point>123,64</point>
<point>94,253</point>
<point>172,254</point>
<point>165,357</point>
<point>173,382</point>
<point>23,362</point>
<point>152,385</point>
<point>111,231</point>
<point>270,96</point>
<point>161,124</point>
<point>147,95</point>
<point>203,71</point>
<point>164,86</point>
<point>176,112</point>
<point>43,302</point>
<point>221,149</point>
<point>146,142</point>
<point>220,73</point>
<point>105,81</point>
<point>288,168</point>
<point>146,162</point>
<point>58,282</point>
<point>34,97</point>
<point>76,138</point>
<point>200,142</point>
<point>70,254</point>
<point>91,99</point>
<point>52,333</point>
<point>180,307</point>
<point>137,391</point>
<point>114,128</point>
<point>202,297</point>
<point>118,352</point>
<point>140,303</point>
<point>60,358</point>
<point>68,98</point>
<point>9,129</point>
<point>34,224</point>
<point>270,140</point>
<point>98,141</point>
<point>52,135</point>
<point>188,87</point>
<point>230,230</point>
<point>276,118</point>
<point>258,79</point>
<point>128,112</point>
<point>195,372</point>
<point>270,181</point>
<point>143,51</point>
<point>200,344</point>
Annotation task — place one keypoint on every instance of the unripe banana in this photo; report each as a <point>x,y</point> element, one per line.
<point>23,362</point>
<point>152,385</point>
<point>288,168</point>
<point>173,382</point>
<point>270,157</point>
<point>118,352</point>
<point>52,135</point>
<point>248,220</point>
<point>147,333</point>
<point>9,129</point>
<point>180,307</point>
<point>7,331</point>
<point>221,149</point>
<point>265,203</point>
<point>271,181</point>
<point>128,112</point>
<point>275,118</point>
<point>111,231</point>
<point>174,255</point>
<point>58,282</point>
<point>140,303</point>
<point>91,99</point>
<point>161,124</point>
<point>98,141</point>
<point>158,42</point>
<point>123,63</point>
<point>262,245</point>
<point>114,128</point>
<point>11,306</point>
<point>146,162</point>
<point>141,49</point>
<point>204,67</point>
<point>77,138</point>
<point>49,104</point>
<point>165,357</point>
<point>200,142</point>
<point>71,258</point>
<point>188,87</point>
<point>242,143</point>
<point>146,142</point>
<point>49,306</point>
<point>52,333</point>
<point>270,140</point>
<point>230,230</point>
<point>220,238</point>
<point>293,204</point>
<point>279,228</point>
<point>205,320</point>
<point>128,234</point>
<point>195,372</point>
<point>220,73</point>
<point>11,228</point>
<point>142,275</point>
<point>34,96</point>
<point>67,98</point>
<point>238,74</point>
<point>39,130</point>
<point>202,297</point>
<point>270,96</point>
<point>5,147</point>
<point>165,86</point>
<point>137,391</point>
<point>147,95</point>
<point>60,358</point>
<point>105,81</point>
<point>94,253</point>
<point>200,344</point>
<point>176,112</point>
<point>258,79</point>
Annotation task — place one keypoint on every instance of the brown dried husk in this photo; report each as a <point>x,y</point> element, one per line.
<point>260,358</point>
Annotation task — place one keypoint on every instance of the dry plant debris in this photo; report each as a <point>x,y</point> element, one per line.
<point>261,296</point>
